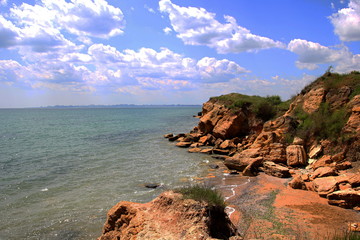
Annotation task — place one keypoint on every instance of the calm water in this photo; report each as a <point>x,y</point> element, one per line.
<point>61,170</point>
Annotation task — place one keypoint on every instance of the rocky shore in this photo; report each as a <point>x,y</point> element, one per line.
<point>299,162</point>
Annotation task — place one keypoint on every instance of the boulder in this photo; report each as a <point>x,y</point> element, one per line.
<point>295,155</point>
<point>325,185</point>
<point>169,135</point>
<point>275,170</point>
<point>276,154</point>
<point>220,151</point>
<point>240,164</point>
<point>298,141</point>
<point>168,216</point>
<point>173,138</point>
<point>227,144</point>
<point>194,150</point>
<point>298,183</point>
<point>207,150</point>
<point>355,180</point>
<point>324,161</point>
<point>315,151</point>
<point>183,144</point>
<point>231,125</point>
<point>343,166</point>
<point>323,172</point>
<point>252,168</point>
<point>348,198</point>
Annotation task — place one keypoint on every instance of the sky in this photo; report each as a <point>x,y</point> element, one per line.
<point>105,52</point>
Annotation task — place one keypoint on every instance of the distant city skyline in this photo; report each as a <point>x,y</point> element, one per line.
<point>83,52</point>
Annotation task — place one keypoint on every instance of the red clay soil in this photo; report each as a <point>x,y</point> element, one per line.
<point>266,208</point>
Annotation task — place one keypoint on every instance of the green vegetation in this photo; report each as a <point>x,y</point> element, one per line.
<point>265,108</point>
<point>336,80</point>
<point>202,193</point>
<point>324,123</point>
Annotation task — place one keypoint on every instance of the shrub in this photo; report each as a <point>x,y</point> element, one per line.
<point>202,193</point>
<point>323,124</point>
<point>264,108</point>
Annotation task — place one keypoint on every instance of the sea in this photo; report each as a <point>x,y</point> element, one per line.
<point>61,170</point>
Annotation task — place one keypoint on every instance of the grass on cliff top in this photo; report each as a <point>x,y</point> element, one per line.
<point>202,193</point>
<point>335,80</point>
<point>264,108</point>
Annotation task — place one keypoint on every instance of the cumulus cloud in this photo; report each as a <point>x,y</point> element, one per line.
<point>347,22</point>
<point>42,27</point>
<point>196,26</point>
<point>312,54</point>
<point>164,64</point>
<point>8,33</point>
<point>103,67</point>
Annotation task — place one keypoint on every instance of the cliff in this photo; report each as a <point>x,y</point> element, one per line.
<point>313,138</point>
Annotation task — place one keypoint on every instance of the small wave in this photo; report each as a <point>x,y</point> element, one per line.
<point>44,189</point>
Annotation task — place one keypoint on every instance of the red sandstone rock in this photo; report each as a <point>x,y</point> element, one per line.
<point>276,170</point>
<point>194,150</point>
<point>325,185</point>
<point>322,162</point>
<point>323,172</point>
<point>183,144</point>
<point>295,155</point>
<point>297,183</point>
<point>313,99</point>
<point>315,151</point>
<point>167,217</point>
<point>240,163</point>
<point>227,144</point>
<point>348,198</point>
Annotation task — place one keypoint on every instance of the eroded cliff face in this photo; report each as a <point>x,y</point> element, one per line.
<point>316,141</point>
<point>168,216</point>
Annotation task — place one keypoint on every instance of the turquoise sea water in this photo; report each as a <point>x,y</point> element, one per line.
<point>61,170</point>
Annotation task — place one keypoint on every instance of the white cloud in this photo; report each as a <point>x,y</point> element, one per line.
<point>196,26</point>
<point>42,26</point>
<point>167,30</point>
<point>3,2</point>
<point>105,68</point>
<point>164,64</point>
<point>8,33</point>
<point>347,22</point>
<point>312,54</point>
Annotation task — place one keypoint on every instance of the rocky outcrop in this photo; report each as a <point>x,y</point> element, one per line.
<point>313,99</point>
<point>319,134</point>
<point>168,216</point>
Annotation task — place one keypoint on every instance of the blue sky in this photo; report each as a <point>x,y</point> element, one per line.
<point>80,52</point>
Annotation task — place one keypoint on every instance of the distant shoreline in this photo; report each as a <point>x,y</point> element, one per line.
<point>105,106</point>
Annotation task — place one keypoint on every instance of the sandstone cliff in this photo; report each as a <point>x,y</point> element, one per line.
<point>314,137</point>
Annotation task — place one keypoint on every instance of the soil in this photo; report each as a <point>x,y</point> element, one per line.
<point>264,207</point>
